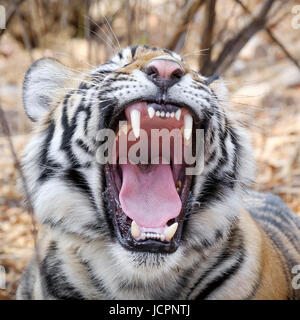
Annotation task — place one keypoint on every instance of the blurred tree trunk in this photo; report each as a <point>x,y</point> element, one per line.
<point>186,17</point>
<point>130,22</point>
<point>233,46</point>
<point>207,36</point>
<point>273,37</point>
<point>10,12</point>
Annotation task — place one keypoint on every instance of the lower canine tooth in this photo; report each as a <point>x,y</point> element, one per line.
<point>178,185</point>
<point>170,231</point>
<point>135,230</point>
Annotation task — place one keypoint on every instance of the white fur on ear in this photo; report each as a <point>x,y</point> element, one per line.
<point>41,86</point>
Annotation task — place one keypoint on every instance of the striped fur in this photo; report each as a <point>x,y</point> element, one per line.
<point>236,243</point>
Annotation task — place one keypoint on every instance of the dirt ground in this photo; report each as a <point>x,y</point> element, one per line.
<point>264,87</point>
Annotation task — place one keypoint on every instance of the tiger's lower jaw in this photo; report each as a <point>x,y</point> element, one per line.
<point>131,236</point>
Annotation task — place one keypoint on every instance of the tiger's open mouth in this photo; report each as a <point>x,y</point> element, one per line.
<point>147,187</point>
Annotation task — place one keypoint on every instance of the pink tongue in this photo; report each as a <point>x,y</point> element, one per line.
<point>149,197</point>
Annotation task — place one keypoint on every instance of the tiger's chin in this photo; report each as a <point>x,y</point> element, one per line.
<point>148,195</point>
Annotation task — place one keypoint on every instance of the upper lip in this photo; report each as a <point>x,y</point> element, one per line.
<point>159,101</point>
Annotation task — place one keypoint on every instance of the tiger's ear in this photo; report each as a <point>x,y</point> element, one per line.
<point>42,85</point>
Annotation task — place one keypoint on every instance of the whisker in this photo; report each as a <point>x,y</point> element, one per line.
<point>199,52</point>
<point>68,55</point>
<point>108,41</point>
<point>98,35</point>
<point>112,32</point>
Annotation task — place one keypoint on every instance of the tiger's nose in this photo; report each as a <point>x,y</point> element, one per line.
<point>164,69</point>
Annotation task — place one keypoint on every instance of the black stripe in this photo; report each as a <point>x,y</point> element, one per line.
<point>48,167</point>
<point>78,180</point>
<point>282,226</point>
<point>56,282</point>
<point>229,249</point>
<point>107,110</point>
<point>82,86</point>
<point>87,119</point>
<point>216,186</point>
<point>274,236</point>
<point>95,281</point>
<point>80,143</point>
<point>44,153</point>
<point>69,130</point>
<point>227,274</point>
<point>104,72</point>
<point>133,50</point>
<point>181,282</point>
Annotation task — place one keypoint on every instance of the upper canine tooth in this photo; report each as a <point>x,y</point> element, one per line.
<point>178,114</point>
<point>135,230</point>
<point>135,116</point>
<point>157,113</point>
<point>188,126</point>
<point>170,231</point>
<point>151,112</point>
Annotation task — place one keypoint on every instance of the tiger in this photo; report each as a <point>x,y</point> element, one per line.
<point>148,231</point>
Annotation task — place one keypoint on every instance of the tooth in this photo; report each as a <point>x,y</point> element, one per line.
<point>143,236</point>
<point>135,230</point>
<point>162,114</point>
<point>170,231</point>
<point>151,112</point>
<point>168,114</point>
<point>162,237</point>
<point>157,113</point>
<point>178,185</point>
<point>178,114</point>
<point>188,126</point>
<point>172,114</point>
<point>135,116</point>
<point>125,128</point>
